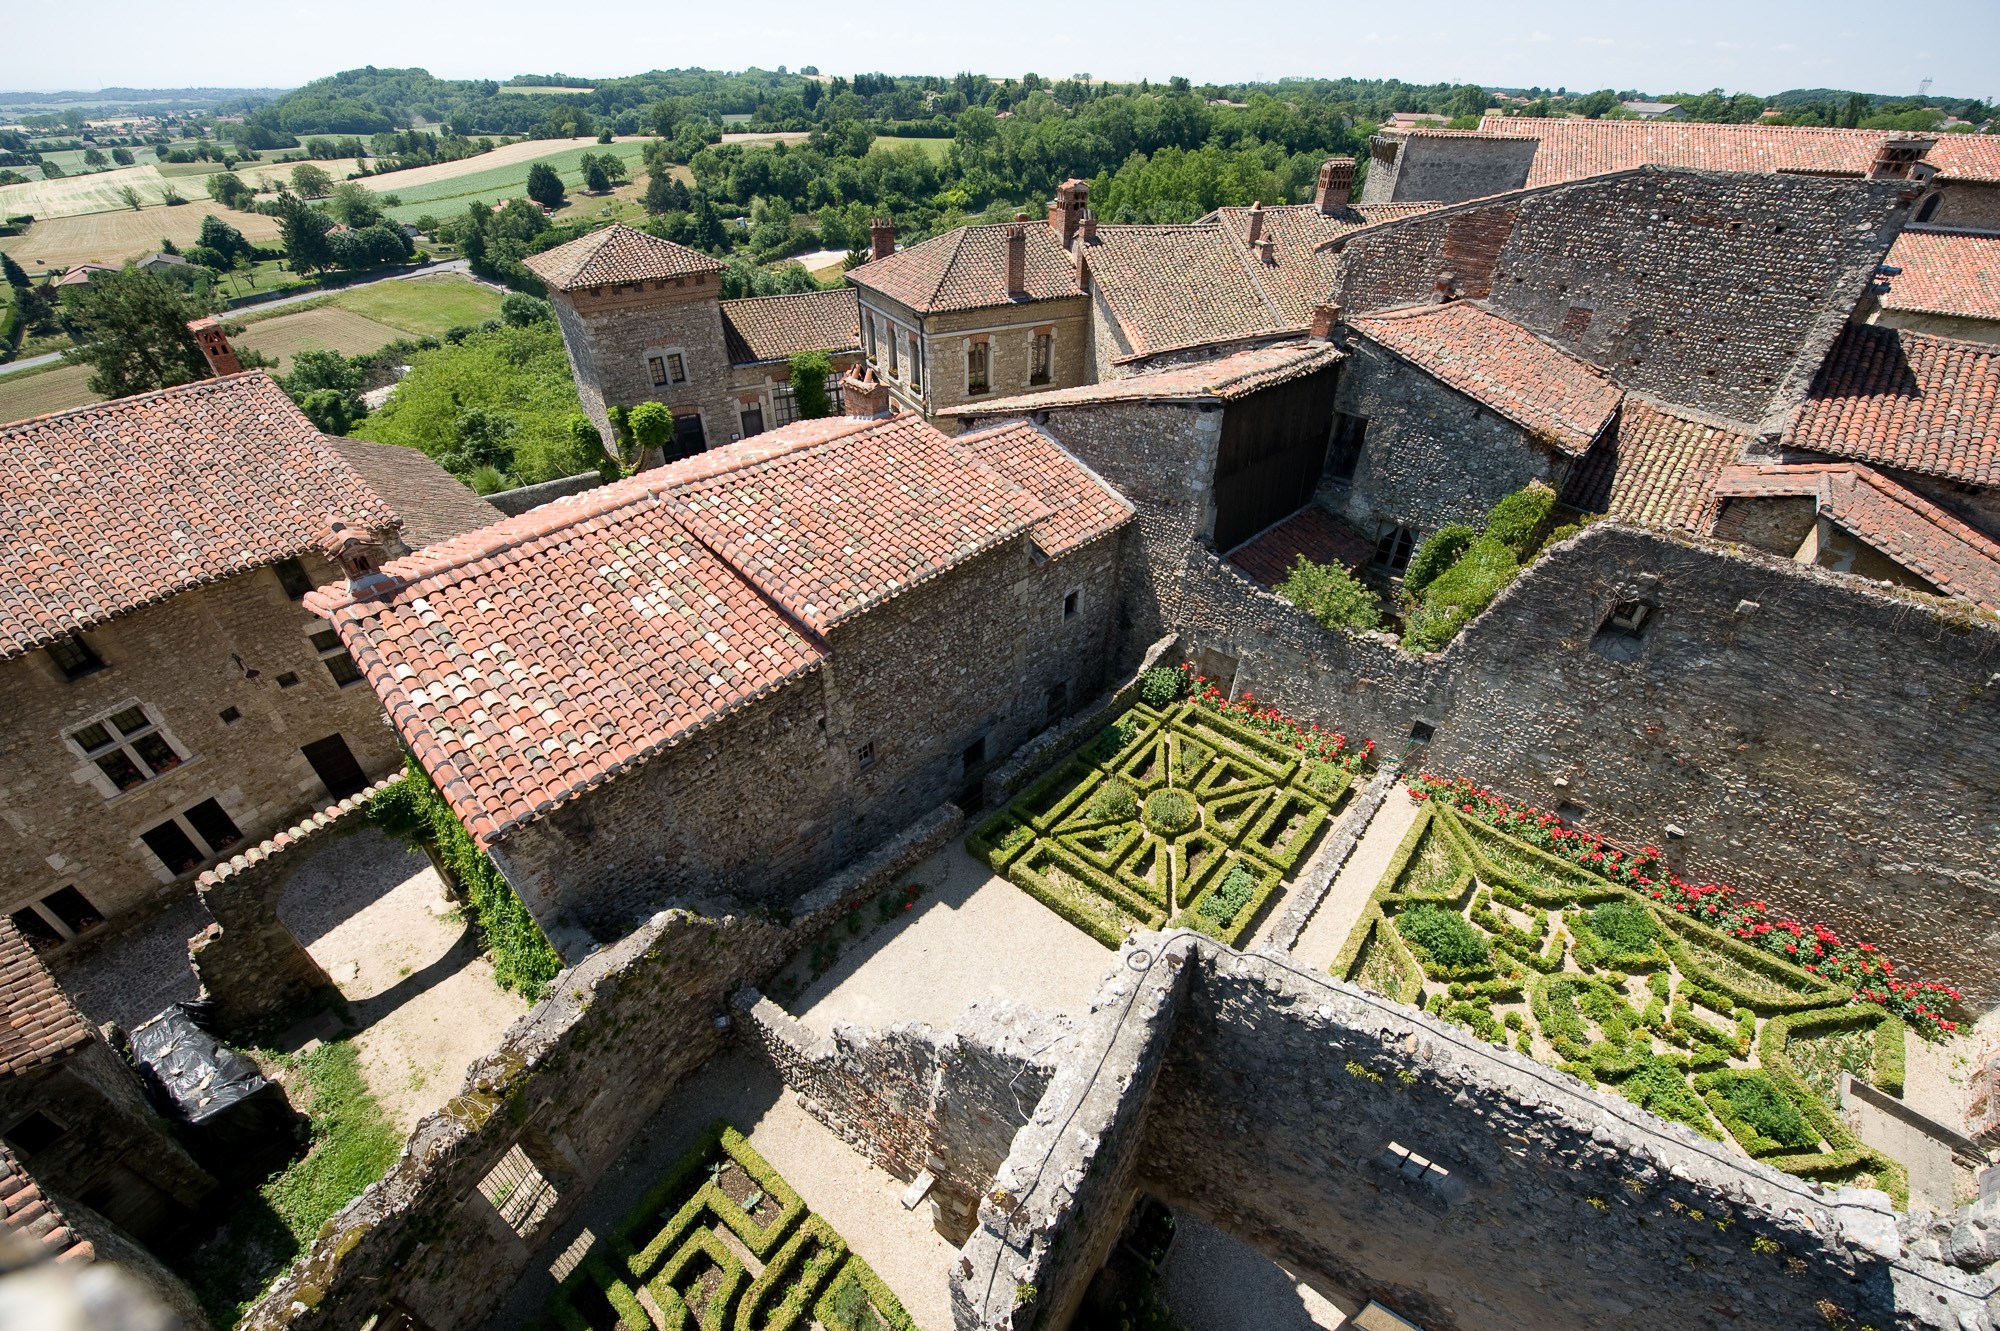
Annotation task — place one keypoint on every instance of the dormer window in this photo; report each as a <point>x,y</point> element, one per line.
<point>74,658</point>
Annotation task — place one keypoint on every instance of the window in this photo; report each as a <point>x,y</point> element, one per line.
<point>519,1192</point>
<point>1929,210</point>
<point>288,680</point>
<point>36,1132</point>
<point>74,658</point>
<point>215,826</point>
<point>292,576</point>
<point>1070,604</point>
<point>784,405</point>
<point>127,747</point>
<point>658,366</point>
<point>1041,355</point>
<point>1392,548</point>
<point>916,362</point>
<point>1629,618</point>
<point>230,716</point>
<point>335,658</point>
<point>73,908</point>
<point>41,935</point>
<point>893,339</point>
<point>173,847</point>
<point>753,420</point>
<point>864,757</point>
<point>973,755</point>
<point>975,367</point>
<point>871,339</point>
<point>1622,636</point>
<point>1344,454</point>
<point>1422,732</point>
<point>836,396</point>
<point>676,367</point>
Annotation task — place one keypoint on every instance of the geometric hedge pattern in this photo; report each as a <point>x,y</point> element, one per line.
<point>722,1243</point>
<point>1258,806</point>
<point>1536,953</point>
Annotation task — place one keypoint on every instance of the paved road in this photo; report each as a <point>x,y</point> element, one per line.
<point>447,266</point>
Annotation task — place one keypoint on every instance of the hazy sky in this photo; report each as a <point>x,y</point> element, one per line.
<point>1761,46</point>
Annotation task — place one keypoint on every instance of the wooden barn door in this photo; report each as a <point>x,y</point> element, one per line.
<point>1273,450</point>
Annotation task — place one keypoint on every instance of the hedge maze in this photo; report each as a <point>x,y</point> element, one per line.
<point>722,1243</point>
<point>1532,952</point>
<point>1178,816</point>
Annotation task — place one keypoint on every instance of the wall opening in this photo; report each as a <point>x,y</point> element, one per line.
<point>518,1191</point>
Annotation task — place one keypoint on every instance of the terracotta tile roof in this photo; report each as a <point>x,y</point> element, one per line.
<point>1548,392</point>
<point>1900,398</point>
<point>433,504</point>
<point>1657,467</point>
<point>1082,507</point>
<point>1946,272</point>
<point>766,328</point>
<point>30,1213</point>
<point>616,254</point>
<point>554,650</point>
<point>1312,532</point>
<point>1573,149</point>
<point>966,269</point>
<point>111,507</point>
<point>1224,379</point>
<point>1172,287</point>
<point>1956,558</point>
<point>42,1024</point>
<point>1966,156</point>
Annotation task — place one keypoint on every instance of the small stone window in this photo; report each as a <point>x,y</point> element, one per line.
<point>214,825</point>
<point>1622,636</point>
<point>1628,617</point>
<point>55,919</point>
<point>35,1133</point>
<point>335,658</point>
<point>519,1192</point>
<point>1070,603</point>
<point>41,935</point>
<point>1041,358</point>
<point>916,361</point>
<point>1422,732</point>
<point>127,747</point>
<point>784,405</point>
<point>174,847</point>
<point>1393,548</point>
<point>292,577</point>
<point>288,680</point>
<point>974,755</point>
<point>1343,455</point>
<point>975,367</point>
<point>657,366</point>
<point>676,367</point>
<point>230,716</point>
<point>74,658</point>
<point>864,756</point>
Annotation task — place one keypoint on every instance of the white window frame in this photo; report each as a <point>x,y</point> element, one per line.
<point>666,355</point>
<point>119,741</point>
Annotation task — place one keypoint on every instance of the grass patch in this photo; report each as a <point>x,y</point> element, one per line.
<point>353,1145</point>
<point>442,197</point>
<point>1445,935</point>
<point>35,392</point>
<point>326,328</point>
<point>423,306</point>
<point>1820,1059</point>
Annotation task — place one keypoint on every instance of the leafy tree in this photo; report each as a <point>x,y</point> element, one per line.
<point>519,309</point>
<point>302,231</point>
<point>92,157</point>
<point>228,189</point>
<point>545,186</point>
<point>664,194</point>
<point>595,178</point>
<point>131,197</point>
<point>310,182</point>
<point>480,438</point>
<point>588,444</point>
<point>330,412</point>
<point>1332,595</point>
<point>1439,552</point>
<point>50,171</point>
<point>354,204</point>
<point>133,331</point>
<point>652,427</point>
<point>223,238</point>
<point>122,156</point>
<point>809,373</point>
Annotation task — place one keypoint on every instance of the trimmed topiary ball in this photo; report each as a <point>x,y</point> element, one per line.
<point>1169,812</point>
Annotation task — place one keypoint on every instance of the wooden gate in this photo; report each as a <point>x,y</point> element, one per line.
<point>1273,450</point>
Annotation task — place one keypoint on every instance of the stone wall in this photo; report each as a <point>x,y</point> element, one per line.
<point>916,1100</point>
<point>1392,1157</point>
<point>1830,747</point>
<point>1431,455</point>
<point>249,963</point>
<point>1010,332</point>
<point>516,502</point>
<point>779,793</point>
<point>1444,168</point>
<point>1720,291</point>
<point>206,667</point>
<point>1974,204</point>
<point>569,1083</point>
<point>609,337</point>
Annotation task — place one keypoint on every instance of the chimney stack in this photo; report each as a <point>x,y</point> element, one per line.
<point>881,238</point>
<point>1441,290</point>
<point>214,344</point>
<point>1325,318</point>
<point>1903,159</point>
<point>1017,262</point>
<point>1336,183</point>
<point>357,554</point>
<point>864,394</point>
<point>1089,226</point>
<point>1066,212</point>
<point>1256,223</point>
<point>1267,250</point>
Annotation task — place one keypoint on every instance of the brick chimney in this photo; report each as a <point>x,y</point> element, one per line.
<point>1066,213</point>
<point>1256,223</point>
<point>214,344</point>
<point>864,394</point>
<point>1017,262</point>
<point>1089,226</point>
<point>358,555</point>
<point>1442,289</point>
<point>1336,182</point>
<point>1325,318</point>
<point>881,238</point>
<point>1267,250</point>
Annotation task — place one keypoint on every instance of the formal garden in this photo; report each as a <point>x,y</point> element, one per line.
<point>1189,810</point>
<point>1686,999</point>
<point>722,1243</point>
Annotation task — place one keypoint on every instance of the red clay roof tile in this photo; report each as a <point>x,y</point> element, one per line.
<point>768,328</point>
<point>966,269</point>
<point>616,254</point>
<point>1573,149</point>
<point>41,1024</point>
<point>1946,272</point>
<point>1223,379</point>
<point>1657,467</point>
<point>1082,507</point>
<point>1900,398</point>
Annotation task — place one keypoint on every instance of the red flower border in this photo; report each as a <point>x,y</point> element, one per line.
<point>1325,746</point>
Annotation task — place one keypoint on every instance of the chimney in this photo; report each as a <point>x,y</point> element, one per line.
<point>1066,213</point>
<point>881,238</point>
<point>1336,182</point>
<point>1325,318</point>
<point>1267,250</point>
<point>214,344</point>
<point>1089,226</point>
<point>1902,159</point>
<point>1441,290</point>
<point>358,555</point>
<point>865,395</point>
<point>1017,262</point>
<point>1256,223</point>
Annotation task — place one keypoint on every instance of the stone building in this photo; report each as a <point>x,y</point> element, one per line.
<point>165,695</point>
<point>737,672</point>
<point>643,321</point>
<point>1944,281</point>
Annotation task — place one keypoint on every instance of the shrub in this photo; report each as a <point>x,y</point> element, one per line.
<point>519,309</point>
<point>1758,1102</point>
<point>1169,811</point>
<point>1160,686</point>
<point>1113,739</point>
<point>1460,593</point>
<point>1331,595</point>
<point>1230,896</point>
<point>1113,800</point>
<point>1517,520</point>
<point>1439,552</point>
<point>1444,934</point>
<point>1626,925</point>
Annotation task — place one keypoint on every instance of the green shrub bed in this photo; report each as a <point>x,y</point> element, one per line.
<point>1682,1018</point>
<point>667,1251</point>
<point>1193,814</point>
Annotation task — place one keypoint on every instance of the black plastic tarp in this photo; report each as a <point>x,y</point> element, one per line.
<point>236,1118</point>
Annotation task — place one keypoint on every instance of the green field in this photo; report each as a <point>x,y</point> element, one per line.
<point>445,197</point>
<point>935,149</point>
<point>37,392</point>
<point>526,91</point>
<point>424,306</point>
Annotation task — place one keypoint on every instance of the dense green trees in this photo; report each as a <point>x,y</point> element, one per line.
<point>302,230</point>
<point>545,186</point>
<point>132,329</point>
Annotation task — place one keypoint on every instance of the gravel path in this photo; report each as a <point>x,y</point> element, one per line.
<point>1328,929</point>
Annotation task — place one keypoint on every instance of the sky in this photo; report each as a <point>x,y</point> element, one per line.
<point>1761,46</point>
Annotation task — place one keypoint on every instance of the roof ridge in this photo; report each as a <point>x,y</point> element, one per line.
<point>214,379</point>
